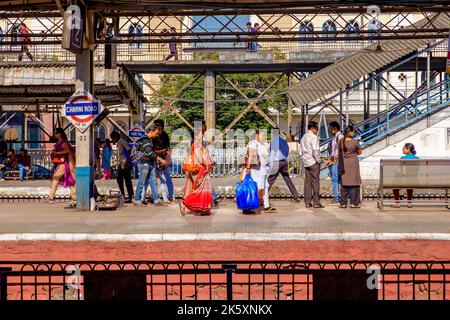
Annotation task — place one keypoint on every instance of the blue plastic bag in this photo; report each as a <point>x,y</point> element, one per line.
<point>247,194</point>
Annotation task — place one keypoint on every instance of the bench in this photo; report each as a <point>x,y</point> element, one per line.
<point>414,174</point>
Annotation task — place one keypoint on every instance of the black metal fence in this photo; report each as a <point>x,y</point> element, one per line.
<point>225,280</point>
<point>223,196</point>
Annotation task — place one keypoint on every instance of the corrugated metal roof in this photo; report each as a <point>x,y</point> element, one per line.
<point>353,67</point>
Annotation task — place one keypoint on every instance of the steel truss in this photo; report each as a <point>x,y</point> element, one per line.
<point>344,24</point>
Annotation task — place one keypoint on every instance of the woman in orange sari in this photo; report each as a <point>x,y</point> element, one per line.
<point>198,167</point>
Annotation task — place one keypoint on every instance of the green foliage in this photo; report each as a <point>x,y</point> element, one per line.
<point>250,84</point>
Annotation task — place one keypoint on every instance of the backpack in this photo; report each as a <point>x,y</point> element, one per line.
<point>136,152</point>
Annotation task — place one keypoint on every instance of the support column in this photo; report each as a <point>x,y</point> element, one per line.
<point>289,112</point>
<point>210,97</point>
<point>24,134</point>
<point>85,141</point>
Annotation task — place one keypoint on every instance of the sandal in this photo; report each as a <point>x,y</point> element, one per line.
<point>182,208</point>
<point>49,200</point>
<point>355,206</point>
<point>343,206</point>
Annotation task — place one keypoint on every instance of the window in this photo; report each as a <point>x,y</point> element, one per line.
<point>70,132</point>
<point>306,26</point>
<point>329,25</point>
<point>100,132</point>
<point>423,78</point>
<point>123,126</point>
<point>351,28</point>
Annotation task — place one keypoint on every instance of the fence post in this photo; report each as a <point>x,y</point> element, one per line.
<point>3,283</point>
<point>229,269</point>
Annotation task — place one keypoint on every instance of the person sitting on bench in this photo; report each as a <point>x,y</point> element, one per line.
<point>24,163</point>
<point>409,153</point>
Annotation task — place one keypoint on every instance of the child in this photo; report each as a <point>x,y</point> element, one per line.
<point>106,160</point>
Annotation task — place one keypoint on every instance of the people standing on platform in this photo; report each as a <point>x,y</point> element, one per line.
<point>409,152</point>
<point>63,156</point>
<point>310,153</point>
<point>25,48</point>
<point>97,152</point>
<point>278,164</point>
<point>24,163</point>
<point>173,46</point>
<point>349,150</point>
<point>257,160</point>
<point>164,173</point>
<point>123,166</point>
<point>334,160</point>
<point>106,160</point>
<point>147,167</point>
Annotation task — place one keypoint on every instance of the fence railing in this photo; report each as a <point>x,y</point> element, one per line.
<point>226,161</point>
<point>135,53</point>
<point>226,280</point>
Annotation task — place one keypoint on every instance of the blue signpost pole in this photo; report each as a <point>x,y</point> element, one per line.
<point>84,140</point>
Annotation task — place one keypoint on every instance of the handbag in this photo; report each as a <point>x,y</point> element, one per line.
<point>247,197</point>
<point>57,159</point>
<point>189,164</point>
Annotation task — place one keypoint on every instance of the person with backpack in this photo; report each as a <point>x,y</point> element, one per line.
<point>123,166</point>
<point>145,157</point>
<point>334,160</point>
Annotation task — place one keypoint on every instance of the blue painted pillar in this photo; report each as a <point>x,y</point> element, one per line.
<point>84,141</point>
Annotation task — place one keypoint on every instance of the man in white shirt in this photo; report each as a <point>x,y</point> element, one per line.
<point>310,154</point>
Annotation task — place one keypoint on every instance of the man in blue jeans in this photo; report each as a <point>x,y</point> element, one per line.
<point>334,159</point>
<point>164,172</point>
<point>147,167</point>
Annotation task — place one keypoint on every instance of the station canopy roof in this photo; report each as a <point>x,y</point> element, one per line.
<point>13,5</point>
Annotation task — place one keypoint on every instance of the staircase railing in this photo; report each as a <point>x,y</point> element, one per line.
<point>401,115</point>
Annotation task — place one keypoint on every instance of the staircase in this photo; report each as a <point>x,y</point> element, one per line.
<point>417,112</point>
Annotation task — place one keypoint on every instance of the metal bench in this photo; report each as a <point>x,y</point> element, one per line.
<point>14,175</point>
<point>414,174</point>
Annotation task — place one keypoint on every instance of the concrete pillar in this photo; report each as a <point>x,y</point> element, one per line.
<point>210,97</point>
<point>85,141</point>
<point>289,111</point>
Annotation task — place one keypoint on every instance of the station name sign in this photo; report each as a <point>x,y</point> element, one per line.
<point>81,109</point>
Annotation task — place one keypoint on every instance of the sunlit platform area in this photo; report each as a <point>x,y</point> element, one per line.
<point>291,221</point>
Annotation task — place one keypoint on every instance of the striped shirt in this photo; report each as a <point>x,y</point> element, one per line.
<point>147,148</point>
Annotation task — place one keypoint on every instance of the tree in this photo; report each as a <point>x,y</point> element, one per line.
<point>190,104</point>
